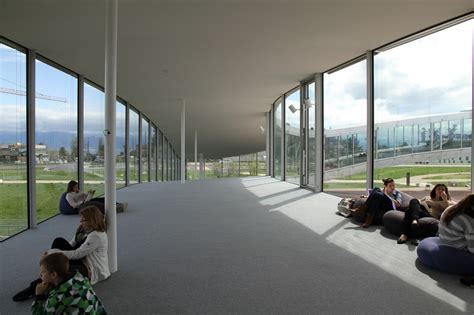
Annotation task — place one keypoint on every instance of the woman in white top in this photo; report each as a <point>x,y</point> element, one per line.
<point>456,228</point>
<point>87,251</point>
<point>73,200</point>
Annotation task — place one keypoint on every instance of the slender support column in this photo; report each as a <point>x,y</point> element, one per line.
<point>80,130</point>
<point>267,146</point>
<point>31,136</point>
<point>319,158</point>
<point>139,151</point>
<point>370,119</point>
<point>472,105</point>
<point>195,152</point>
<point>183,141</point>
<point>110,129</point>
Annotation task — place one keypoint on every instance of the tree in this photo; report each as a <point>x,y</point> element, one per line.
<point>62,153</point>
<point>73,155</point>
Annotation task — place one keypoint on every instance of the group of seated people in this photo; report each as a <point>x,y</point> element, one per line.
<point>456,221</point>
<point>70,268</point>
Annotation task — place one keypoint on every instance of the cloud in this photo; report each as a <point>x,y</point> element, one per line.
<point>431,75</point>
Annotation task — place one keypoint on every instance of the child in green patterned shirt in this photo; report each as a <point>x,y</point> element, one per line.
<point>63,293</point>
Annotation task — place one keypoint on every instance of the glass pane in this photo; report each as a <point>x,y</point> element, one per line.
<point>165,159</point>
<point>120,145</point>
<point>230,167</point>
<point>292,137</point>
<point>144,151</point>
<point>56,136</point>
<point>248,165</point>
<point>423,108</point>
<point>262,163</point>
<point>277,124</point>
<point>154,152</point>
<point>213,169</point>
<point>94,125</point>
<point>345,130</point>
<point>133,144</point>
<point>13,150</point>
<point>160,156</point>
<point>311,93</point>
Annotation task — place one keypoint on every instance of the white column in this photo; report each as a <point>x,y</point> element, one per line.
<point>80,131</point>
<point>370,119</point>
<point>195,151</point>
<point>319,159</point>
<point>109,132</point>
<point>472,107</point>
<point>31,137</point>
<point>183,142</point>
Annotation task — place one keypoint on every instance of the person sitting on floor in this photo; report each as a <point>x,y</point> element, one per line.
<point>429,206</point>
<point>61,292</point>
<point>379,202</point>
<point>456,228</point>
<point>87,252</point>
<point>74,200</point>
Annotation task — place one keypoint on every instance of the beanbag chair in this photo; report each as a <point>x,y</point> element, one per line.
<point>65,207</point>
<point>426,227</point>
<point>432,253</point>
<point>378,220</point>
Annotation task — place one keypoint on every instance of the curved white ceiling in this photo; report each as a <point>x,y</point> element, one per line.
<point>229,59</point>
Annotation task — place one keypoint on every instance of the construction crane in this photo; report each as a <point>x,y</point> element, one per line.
<point>38,95</point>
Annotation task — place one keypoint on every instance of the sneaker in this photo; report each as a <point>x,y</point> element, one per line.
<point>23,295</point>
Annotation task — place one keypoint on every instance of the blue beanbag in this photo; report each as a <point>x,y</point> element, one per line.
<point>65,207</point>
<point>445,258</point>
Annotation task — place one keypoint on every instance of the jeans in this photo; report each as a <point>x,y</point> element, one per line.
<point>415,211</point>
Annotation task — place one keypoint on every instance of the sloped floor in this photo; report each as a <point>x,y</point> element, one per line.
<point>248,245</point>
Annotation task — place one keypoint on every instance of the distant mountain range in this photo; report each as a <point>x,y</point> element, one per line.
<point>55,140</point>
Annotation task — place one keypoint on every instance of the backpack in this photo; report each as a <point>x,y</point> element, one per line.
<point>344,207</point>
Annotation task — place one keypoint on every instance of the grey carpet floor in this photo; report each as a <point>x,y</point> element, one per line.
<point>251,245</point>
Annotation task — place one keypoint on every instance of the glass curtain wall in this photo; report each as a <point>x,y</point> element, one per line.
<point>248,164</point>
<point>160,156</point>
<point>213,168</point>
<point>144,147</point>
<point>94,142</point>
<point>165,159</point>
<point>230,166</point>
<point>120,148</point>
<point>292,137</point>
<point>262,163</point>
<point>13,146</point>
<point>56,136</point>
<point>153,153</point>
<point>345,129</point>
<point>170,161</point>
<point>134,133</point>
<point>56,147</point>
<point>423,111</point>
<point>277,139</point>
<point>311,133</point>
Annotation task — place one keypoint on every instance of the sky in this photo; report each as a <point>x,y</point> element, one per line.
<point>431,75</point>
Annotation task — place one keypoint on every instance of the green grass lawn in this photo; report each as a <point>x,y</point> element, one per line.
<point>453,176</point>
<point>401,171</point>
<point>351,185</point>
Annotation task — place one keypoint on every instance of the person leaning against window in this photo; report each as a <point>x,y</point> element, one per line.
<point>429,206</point>
<point>379,202</point>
